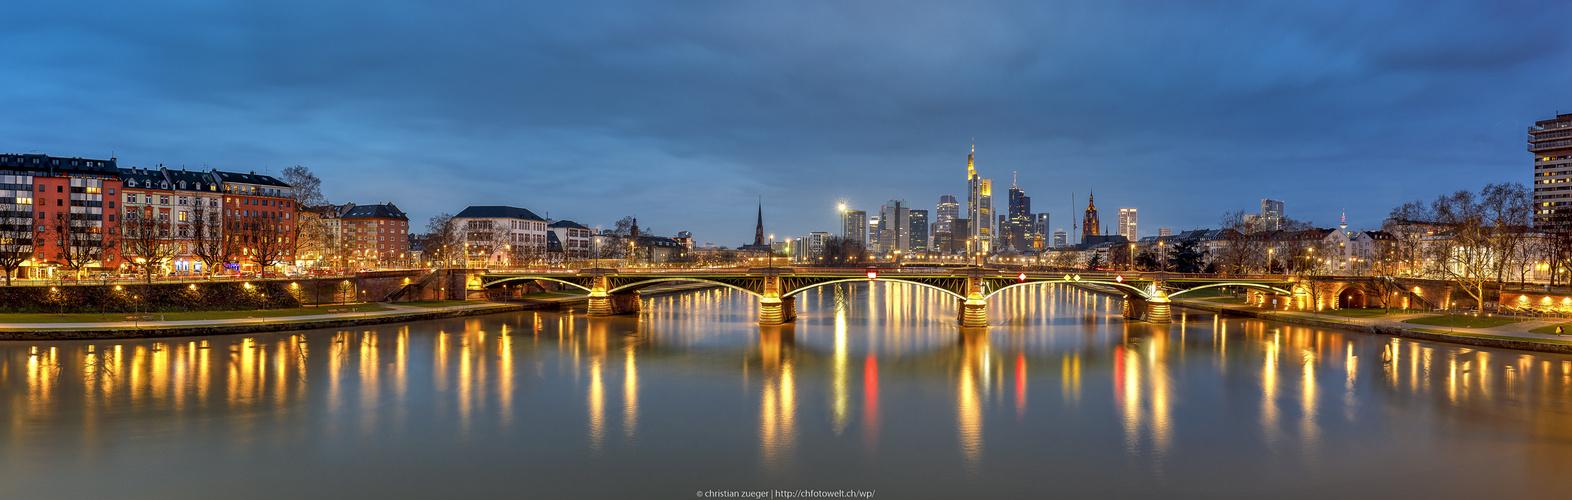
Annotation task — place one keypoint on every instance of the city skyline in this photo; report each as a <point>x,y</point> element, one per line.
<point>591,114</point>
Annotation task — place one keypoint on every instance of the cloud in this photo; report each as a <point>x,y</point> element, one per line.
<point>686,112</point>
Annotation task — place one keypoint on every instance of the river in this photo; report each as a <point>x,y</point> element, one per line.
<point>872,390</point>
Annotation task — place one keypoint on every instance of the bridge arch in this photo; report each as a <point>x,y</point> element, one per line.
<point>1257,286</point>
<point>653,281</point>
<point>535,278</point>
<point>946,291</point>
<point>1128,289</point>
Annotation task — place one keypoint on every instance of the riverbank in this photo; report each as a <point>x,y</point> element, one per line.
<point>1513,336</point>
<point>339,318</point>
<point>156,325</point>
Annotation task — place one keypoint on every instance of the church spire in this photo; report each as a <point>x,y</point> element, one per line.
<point>758,231</point>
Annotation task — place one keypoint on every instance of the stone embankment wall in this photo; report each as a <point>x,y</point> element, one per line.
<point>204,295</point>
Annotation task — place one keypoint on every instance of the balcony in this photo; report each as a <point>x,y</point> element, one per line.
<point>1546,146</point>
<point>1549,135</point>
<point>1550,126</point>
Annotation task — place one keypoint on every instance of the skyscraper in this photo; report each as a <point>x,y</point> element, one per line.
<point>979,208</point>
<point>856,226</point>
<point>1020,225</point>
<point>948,210</point>
<point>1127,223</point>
<point>894,227</point>
<point>1271,214</point>
<point>873,234</point>
<point>918,239</point>
<point>1060,238</point>
<point>1089,225</point>
<point>1041,232</point>
<point>1547,139</point>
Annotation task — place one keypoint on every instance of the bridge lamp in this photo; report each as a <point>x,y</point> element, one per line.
<point>1021,277</point>
<point>873,274</point>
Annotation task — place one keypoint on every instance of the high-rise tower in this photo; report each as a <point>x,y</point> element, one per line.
<point>979,206</point>
<point>1127,223</point>
<point>1551,143</point>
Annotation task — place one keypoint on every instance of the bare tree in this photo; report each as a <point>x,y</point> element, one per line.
<point>442,240</point>
<point>1508,213</point>
<point>147,239</point>
<point>16,241</point>
<point>81,240</point>
<point>843,252</point>
<point>1241,252</point>
<point>306,188</point>
<point>1558,242</point>
<point>208,243</point>
<point>1462,250</point>
<point>259,238</point>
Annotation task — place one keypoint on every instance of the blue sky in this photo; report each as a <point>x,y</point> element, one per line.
<point>685,113</point>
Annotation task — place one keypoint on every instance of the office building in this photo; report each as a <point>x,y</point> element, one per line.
<point>979,208</point>
<point>948,210</point>
<point>856,226</point>
<point>1164,231</point>
<point>917,239</point>
<point>1551,143</point>
<point>1127,223</point>
<point>1060,238</point>
<point>894,227</point>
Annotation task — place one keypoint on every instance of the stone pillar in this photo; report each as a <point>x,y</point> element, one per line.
<point>599,299</point>
<point>973,311</point>
<point>774,309</point>
<point>1158,308</point>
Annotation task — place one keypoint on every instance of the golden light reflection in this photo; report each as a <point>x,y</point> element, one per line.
<point>838,383</point>
<point>968,404</point>
<point>597,406</point>
<point>630,393</point>
<point>778,401</point>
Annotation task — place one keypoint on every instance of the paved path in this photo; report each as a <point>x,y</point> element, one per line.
<point>392,310</point>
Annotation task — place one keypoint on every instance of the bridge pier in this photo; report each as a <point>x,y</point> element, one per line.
<point>773,308</point>
<point>1134,307</point>
<point>973,312</point>
<point>1159,308</point>
<point>604,303</point>
<point>613,304</point>
<point>777,311</point>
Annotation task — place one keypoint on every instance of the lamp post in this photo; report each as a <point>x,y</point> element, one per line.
<point>842,208</point>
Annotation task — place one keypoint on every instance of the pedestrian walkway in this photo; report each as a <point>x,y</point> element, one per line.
<point>347,312</point>
<point>1518,330</point>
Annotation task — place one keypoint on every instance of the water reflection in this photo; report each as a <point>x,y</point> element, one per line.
<point>871,382</point>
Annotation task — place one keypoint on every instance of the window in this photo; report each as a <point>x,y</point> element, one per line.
<point>111,204</point>
<point>111,190</point>
<point>40,188</point>
<point>59,189</point>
